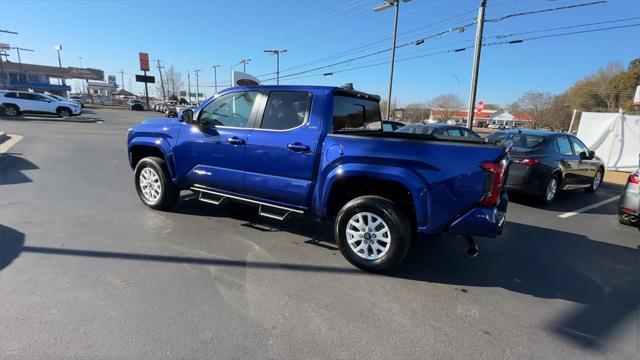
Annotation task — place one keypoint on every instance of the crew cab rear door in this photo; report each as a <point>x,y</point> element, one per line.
<point>281,150</point>
<point>213,153</point>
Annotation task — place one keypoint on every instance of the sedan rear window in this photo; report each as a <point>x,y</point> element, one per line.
<point>527,141</point>
<point>417,129</point>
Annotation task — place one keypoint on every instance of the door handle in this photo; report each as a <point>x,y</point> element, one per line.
<point>234,140</point>
<point>297,147</point>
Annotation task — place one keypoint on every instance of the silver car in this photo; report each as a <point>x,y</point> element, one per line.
<point>629,205</point>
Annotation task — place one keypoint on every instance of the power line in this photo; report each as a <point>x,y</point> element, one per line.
<point>546,10</point>
<point>456,50</point>
<point>441,33</point>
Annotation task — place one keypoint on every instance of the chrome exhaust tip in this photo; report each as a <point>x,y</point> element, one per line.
<point>472,251</point>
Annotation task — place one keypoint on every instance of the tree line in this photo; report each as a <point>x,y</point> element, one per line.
<point>609,89</point>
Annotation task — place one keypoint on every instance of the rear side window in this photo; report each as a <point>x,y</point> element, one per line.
<point>286,110</point>
<point>350,113</point>
<point>453,132</point>
<point>563,145</point>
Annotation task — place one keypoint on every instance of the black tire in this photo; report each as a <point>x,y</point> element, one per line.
<point>399,233</point>
<point>595,186</point>
<point>544,198</point>
<point>11,110</point>
<point>168,192</point>
<point>63,112</point>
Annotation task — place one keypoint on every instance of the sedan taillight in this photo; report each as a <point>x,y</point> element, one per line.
<point>634,178</point>
<point>529,161</point>
<point>494,176</point>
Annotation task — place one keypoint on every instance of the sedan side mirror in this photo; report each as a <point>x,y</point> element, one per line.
<point>592,153</point>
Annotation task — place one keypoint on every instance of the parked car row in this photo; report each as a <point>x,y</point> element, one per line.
<point>15,103</point>
<point>162,106</point>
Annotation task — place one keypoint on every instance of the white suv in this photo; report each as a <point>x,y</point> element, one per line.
<point>17,102</point>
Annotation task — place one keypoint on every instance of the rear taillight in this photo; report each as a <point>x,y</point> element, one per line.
<point>529,161</point>
<point>494,176</point>
<point>634,179</point>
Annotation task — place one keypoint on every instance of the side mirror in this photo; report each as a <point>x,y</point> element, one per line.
<point>592,153</point>
<point>186,116</point>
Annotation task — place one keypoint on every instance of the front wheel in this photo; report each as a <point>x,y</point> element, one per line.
<point>596,182</point>
<point>372,233</point>
<point>154,185</point>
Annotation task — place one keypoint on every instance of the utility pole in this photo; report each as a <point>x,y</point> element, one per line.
<point>244,63</point>
<point>189,86</point>
<point>215,78</point>
<point>197,86</point>
<point>58,48</point>
<point>389,4</point>
<point>19,59</point>
<point>122,77</point>
<point>160,67</point>
<point>277,54</point>
<point>476,63</point>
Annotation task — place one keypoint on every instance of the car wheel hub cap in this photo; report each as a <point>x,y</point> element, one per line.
<point>368,236</point>
<point>597,180</point>
<point>150,184</point>
<point>551,189</point>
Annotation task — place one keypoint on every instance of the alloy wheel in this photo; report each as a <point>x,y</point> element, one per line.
<point>150,184</point>
<point>368,236</point>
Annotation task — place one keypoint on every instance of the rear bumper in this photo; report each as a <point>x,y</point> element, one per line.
<point>526,179</point>
<point>481,221</point>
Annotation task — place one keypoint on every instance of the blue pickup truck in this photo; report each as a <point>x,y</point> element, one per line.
<point>313,150</point>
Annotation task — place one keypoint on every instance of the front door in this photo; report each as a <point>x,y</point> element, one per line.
<point>281,150</point>
<point>569,161</point>
<point>587,165</point>
<point>212,152</point>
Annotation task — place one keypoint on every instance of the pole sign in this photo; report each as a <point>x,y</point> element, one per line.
<point>636,98</point>
<point>145,79</point>
<point>480,105</point>
<point>144,61</point>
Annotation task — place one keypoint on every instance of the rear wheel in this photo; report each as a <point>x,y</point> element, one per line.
<point>63,112</point>
<point>11,110</point>
<point>154,185</point>
<point>372,233</point>
<point>596,182</point>
<point>550,191</point>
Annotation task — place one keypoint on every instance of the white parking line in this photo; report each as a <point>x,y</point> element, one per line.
<point>5,146</point>
<point>587,208</point>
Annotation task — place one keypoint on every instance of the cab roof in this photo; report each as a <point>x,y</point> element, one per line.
<point>328,89</point>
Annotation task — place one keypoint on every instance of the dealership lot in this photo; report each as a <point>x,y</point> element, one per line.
<point>86,269</point>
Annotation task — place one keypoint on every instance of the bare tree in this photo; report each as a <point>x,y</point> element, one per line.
<point>536,105</point>
<point>416,112</point>
<point>604,84</point>
<point>172,81</point>
<point>448,104</point>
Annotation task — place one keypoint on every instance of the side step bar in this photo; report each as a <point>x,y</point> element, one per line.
<point>264,209</point>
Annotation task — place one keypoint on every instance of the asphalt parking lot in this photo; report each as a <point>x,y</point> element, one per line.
<point>86,270</point>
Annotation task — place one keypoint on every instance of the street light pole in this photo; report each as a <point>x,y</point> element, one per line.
<point>189,86</point>
<point>215,78</point>
<point>58,48</point>
<point>197,86</point>
<point>277,54</point>
<point>476,63</point>
<point>388,4</point>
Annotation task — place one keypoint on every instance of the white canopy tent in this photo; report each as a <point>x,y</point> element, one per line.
<point>615,137</point>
